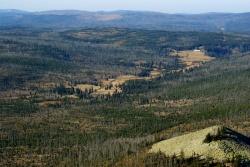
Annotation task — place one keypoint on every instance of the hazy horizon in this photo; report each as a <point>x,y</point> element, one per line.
<point>184,13</point>
<point>165,6</point>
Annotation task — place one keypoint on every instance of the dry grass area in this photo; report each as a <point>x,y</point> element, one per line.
<point>155,73</point>
<point>193,144</point>
<point>113,85</point>
<point>192,58</point>
<point>120,80</point>
<point>84,87</point>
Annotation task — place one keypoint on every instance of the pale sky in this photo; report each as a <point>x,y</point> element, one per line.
<point>167,6</point>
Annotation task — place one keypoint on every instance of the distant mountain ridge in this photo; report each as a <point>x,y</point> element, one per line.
<point>213,22</point>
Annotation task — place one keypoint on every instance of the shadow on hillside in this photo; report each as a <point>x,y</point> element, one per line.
<point>224,133</point>
<point>233,135</point>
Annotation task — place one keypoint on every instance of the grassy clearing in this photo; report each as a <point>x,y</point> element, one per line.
<point>226,145</point>
<point>113,86</point>
<point>192,59</point>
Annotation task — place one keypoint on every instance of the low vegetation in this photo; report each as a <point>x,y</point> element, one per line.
<point>217,143</point>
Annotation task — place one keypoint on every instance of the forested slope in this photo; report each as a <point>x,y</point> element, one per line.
<point>208,22</point>
<point>46,122</point>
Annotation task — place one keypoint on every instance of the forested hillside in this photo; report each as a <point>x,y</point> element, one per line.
<point>208,22</point>
<point>50,117</point>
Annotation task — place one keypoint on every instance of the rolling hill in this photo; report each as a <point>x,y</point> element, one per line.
<point>214,22</point>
